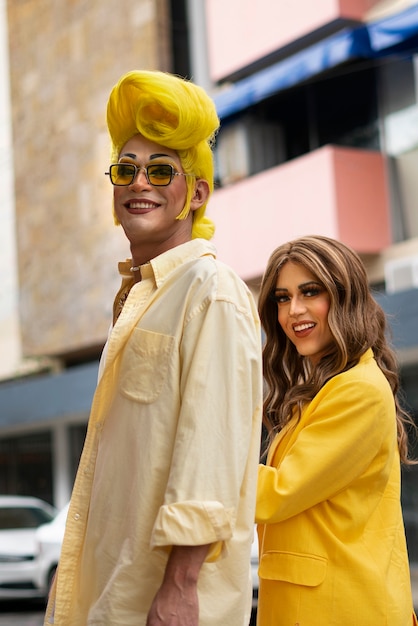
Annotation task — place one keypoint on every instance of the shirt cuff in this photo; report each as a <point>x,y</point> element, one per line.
<point>194,523</point>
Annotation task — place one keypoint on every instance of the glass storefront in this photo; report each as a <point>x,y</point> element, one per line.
<point>26,462</point>
<point>26,465</point>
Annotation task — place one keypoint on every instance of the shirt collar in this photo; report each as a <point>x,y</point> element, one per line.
<point>165,263</point>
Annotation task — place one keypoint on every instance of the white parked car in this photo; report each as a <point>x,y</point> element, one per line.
<point>20,516</point>
<point>49,540</point>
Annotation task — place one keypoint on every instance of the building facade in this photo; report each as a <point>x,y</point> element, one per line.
<point>319,134</point>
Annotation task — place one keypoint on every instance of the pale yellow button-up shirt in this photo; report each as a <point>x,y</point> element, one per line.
<point>172,448</point>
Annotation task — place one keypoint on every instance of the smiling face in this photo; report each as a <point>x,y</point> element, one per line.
<point>303,305</point>
<point>147,213</point>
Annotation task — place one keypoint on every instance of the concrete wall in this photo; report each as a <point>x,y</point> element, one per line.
<point>242,31</point>
<point>65,56</point>
<point>10,353</point>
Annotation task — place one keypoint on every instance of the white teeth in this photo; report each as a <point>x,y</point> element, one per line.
<point>141,205</point>
<point>303,327</point>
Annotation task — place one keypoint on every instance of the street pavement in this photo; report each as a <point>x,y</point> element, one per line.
<point>21,614</point>
<point>21,619</point>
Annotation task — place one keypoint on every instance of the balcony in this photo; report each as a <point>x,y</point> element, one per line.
<point>334,191</point>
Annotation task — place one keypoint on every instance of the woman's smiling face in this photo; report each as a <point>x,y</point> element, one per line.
<point>303,305</point>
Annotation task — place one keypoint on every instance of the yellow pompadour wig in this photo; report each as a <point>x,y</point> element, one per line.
<point>174,113</point>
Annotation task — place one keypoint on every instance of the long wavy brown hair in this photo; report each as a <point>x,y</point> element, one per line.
<point>355,319</point>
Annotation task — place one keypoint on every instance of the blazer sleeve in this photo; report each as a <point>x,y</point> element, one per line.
<point>347,432</point>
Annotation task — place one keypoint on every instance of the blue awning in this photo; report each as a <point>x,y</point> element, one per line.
<point>397,33</point>
<point>45,398</point>
<point>394,33</point>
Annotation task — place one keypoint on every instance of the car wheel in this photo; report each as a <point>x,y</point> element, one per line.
<point>51,576</point>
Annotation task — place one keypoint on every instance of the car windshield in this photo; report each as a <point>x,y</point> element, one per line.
<point>18,517</point>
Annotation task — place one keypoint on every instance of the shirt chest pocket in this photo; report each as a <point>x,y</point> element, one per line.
<point>299,569</point>
<point>145,363</point>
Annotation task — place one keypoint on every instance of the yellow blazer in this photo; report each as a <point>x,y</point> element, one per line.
<point>331,533</point>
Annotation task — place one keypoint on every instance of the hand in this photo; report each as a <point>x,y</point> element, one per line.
<point>173,606</point>
<point>176,602</point>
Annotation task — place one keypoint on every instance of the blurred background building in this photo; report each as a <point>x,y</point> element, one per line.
<point>319,135</point>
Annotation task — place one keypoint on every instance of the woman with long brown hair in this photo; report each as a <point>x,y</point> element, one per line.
<point>332,540</point>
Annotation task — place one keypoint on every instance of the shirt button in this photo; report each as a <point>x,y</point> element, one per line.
<point>77,517</point>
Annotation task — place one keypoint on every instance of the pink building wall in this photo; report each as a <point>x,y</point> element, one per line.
<point>241,31</point>
<point>338,192</point>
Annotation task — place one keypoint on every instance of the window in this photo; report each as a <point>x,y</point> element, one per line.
<point>180,38</point>
<point>26,465</point>
<point>338,108</point>
<point>19,517</point>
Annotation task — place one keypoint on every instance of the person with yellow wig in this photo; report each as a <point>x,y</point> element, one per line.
<point>161,518</point>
